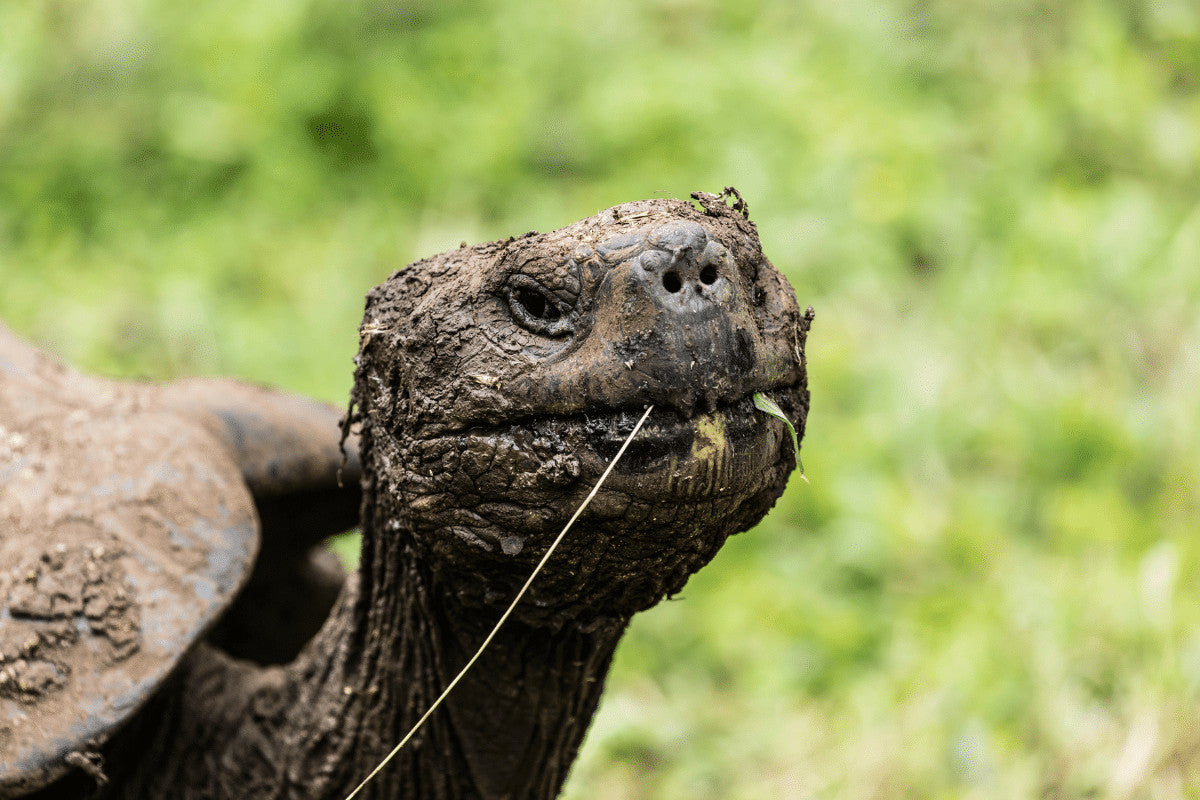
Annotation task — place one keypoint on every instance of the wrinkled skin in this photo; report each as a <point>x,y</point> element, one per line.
<point>536,405</point>
<point>493,385</point>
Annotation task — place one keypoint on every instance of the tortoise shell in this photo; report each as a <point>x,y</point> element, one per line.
<point>128,524</point>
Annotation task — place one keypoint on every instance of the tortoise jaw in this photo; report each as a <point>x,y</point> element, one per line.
<point>731,450</point>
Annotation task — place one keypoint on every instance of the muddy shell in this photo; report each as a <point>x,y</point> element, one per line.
<point>128,524</point>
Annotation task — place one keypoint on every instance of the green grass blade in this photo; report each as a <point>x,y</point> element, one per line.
<point>769,406</point>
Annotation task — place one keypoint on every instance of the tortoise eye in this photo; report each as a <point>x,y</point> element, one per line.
<point>535,304</point>
<point>536,310</point>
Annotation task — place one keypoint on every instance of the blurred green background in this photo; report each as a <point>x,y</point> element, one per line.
<point>990,588</point>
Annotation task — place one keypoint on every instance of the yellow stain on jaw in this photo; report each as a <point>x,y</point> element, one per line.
<point>711,438</point>
<point>706,463</point>
<point>710,448</point>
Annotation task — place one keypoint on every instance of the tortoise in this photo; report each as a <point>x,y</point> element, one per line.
<point>170,627</point>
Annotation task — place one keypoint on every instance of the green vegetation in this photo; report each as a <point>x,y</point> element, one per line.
<point>771,408</point>
<point>990,588</point>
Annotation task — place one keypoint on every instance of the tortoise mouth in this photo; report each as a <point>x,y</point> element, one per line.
<point>730,450</point>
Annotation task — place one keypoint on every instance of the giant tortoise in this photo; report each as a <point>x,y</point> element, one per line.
<point>169,627</point>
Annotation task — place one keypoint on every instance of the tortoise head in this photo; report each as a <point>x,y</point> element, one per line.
<point>495,382</point>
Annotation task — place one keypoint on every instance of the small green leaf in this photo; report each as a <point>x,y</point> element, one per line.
<point>769,406</point>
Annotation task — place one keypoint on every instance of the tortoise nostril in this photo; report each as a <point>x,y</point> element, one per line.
<point>671,281</point>
<point>708,275</point>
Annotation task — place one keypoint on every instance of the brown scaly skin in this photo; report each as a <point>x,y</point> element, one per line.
<point>493,384</point>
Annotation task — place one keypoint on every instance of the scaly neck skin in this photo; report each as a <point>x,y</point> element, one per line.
<point>315,728</point>
<point>510,729</point>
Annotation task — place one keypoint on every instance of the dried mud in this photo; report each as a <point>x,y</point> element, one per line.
<point>122,534</point>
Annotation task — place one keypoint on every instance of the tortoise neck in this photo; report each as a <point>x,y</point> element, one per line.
<point>510,729</point>
<point>316,727</point>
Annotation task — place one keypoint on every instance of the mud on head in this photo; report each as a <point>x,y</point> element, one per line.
<point>495,382</point>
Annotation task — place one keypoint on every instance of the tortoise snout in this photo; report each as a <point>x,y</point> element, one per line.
<point>686,314</point>
<point>684,270</point>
